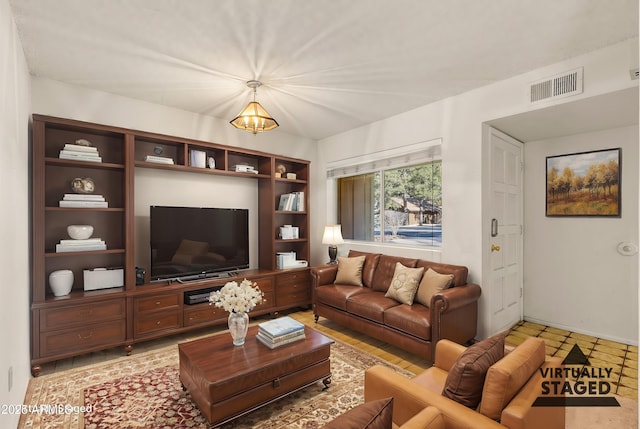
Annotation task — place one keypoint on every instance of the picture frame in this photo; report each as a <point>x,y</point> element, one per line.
<point>584,184</point>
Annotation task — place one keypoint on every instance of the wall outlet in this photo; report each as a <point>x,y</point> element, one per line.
<point>10,378</point>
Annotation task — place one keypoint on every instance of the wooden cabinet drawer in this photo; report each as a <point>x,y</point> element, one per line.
<point>294,277</point>
<point>156,302</point>
<point>203,314</point>
<point>300,297</point>
<point>268,301</point>
<point>82,338</point>
<point>76,315</point>
<point>162,321</point>
<point>265,284</point>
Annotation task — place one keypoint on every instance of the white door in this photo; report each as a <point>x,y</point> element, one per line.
<point>504,243</point>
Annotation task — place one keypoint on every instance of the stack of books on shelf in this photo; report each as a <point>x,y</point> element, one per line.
<point>80,153</point>
<point>158,159</point>
<point>83,200</point>
<point>81,245</point>
<point>278,332</point>
<point>293,201</point>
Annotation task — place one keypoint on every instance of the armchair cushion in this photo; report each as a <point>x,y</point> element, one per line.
<point>370,415</point>
<point>350,271</point>
<point>506,377</point>
<point>432,282</point>
<point>404,283</point>
<point>466,378</point>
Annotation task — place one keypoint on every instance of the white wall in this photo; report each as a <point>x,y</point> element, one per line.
<point>574,260</point>
<point>14,217</point>
<point>458,121</point>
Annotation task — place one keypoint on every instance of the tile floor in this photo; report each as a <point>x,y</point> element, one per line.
<point>622,358</point>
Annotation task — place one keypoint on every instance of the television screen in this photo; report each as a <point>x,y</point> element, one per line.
<point>195,241</point>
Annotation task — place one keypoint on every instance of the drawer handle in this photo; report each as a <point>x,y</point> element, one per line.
<point>276,383</point>
<point>157,302</point>
<point>86,337</point>
<point>158,323</point>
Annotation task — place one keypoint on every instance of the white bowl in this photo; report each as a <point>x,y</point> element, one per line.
<point>61,282</point>
<point>80,232</point>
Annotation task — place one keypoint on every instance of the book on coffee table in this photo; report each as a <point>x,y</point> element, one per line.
<point>272,343</point>
<point>281,326</point>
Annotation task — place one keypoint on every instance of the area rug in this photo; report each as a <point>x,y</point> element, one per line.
<point>144,391</point>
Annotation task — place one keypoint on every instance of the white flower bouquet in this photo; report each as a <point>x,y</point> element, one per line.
<point>237,298</point>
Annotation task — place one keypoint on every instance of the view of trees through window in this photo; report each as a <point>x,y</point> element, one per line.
<point>400,205</point>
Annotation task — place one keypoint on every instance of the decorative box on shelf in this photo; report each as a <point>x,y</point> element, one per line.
<point>103,278</point>
<point>289,232</point>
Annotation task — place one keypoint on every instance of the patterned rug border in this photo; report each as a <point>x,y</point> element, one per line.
<point>91,375</point>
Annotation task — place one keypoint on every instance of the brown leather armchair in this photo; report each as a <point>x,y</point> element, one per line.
<point>507,397</point>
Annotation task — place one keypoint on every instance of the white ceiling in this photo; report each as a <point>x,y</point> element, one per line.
<point>327,65</point>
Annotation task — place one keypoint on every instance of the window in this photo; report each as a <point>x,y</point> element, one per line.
<point>393,205</point>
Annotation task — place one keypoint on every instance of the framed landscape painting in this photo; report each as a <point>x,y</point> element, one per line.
<point>584,184</point>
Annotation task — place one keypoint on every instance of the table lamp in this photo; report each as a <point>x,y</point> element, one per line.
<point>332,236</point>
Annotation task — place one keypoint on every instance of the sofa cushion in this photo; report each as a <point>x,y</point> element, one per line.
<point>370,415</point>
<point>404,284</point>
<point>370,265</point>
<point>385,270</point>
<point>350,271</point>
<point>370,305</point>
<point>466,378</point>
<point>432,282</point>
<point>507,376</point>
<point>459,272</point>
<point>337,295</point>
<point>411,319</point>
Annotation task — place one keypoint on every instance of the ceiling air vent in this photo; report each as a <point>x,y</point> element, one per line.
<point>562,85</point>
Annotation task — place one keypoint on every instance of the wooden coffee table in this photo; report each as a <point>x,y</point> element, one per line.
<point>228,381</point>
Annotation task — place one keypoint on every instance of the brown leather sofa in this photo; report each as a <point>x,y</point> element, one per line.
<point>452,312</point>
<point>511,387</point>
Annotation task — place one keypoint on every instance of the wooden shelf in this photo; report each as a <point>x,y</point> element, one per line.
<point>122,151</point>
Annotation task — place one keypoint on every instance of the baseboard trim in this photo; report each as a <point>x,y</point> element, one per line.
<point>578,330</point>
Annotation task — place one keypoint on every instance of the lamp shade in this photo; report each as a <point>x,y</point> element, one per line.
<point>254,118</point>
<point>332,235</point>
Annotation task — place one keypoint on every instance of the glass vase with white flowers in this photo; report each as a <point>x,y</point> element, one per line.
<point>238,300</point>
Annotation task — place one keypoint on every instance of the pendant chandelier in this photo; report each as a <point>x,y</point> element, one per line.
<point>254,118</point>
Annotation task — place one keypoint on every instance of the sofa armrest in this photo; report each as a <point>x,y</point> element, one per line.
<point>456,297</point>
<point>323,275</point>
<point>410,398</point>
<point>447,353</point>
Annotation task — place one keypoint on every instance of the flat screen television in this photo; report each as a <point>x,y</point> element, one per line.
<point>191,242</point>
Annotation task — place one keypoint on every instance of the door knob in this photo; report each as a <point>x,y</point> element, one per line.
<point>495,248</point>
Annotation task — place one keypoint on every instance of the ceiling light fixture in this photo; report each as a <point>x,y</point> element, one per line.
<point>253,117</point>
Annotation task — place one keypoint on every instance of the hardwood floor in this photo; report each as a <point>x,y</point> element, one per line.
<point>601,353</point>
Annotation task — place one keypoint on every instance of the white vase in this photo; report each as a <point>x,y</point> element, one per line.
<point>61,282</point>
<point>238,326</point>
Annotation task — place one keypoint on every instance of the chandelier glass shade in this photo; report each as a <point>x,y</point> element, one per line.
<point>254,117</point>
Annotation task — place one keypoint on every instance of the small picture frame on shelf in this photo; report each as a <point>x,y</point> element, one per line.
<point>291,176</point>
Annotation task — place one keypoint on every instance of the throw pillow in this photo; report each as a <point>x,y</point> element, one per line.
<point>371,415</point>
<point>432,282</point>
<point>466,377</point>
<point>404,283</point>
<point>350,271</point>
